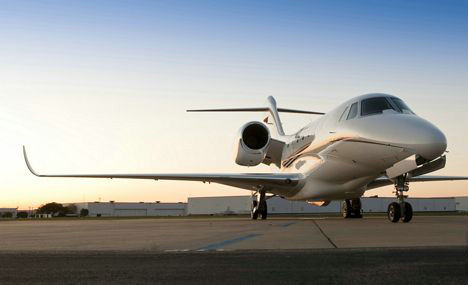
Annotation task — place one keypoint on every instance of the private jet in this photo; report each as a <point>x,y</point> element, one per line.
<point>370,141</point>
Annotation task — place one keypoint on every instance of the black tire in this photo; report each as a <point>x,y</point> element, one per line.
<point>394,212</point>
<point>264,210</point>
<point>357,215</point>
<point>357,204</point>
<point>408,213</point>
<point>254,211</point>
<point>346,209</point>
<point>356,209</point>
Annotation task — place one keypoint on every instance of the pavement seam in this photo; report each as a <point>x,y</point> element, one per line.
<point>288,224</point>
<point>220,245</point>
<point>324,234</point>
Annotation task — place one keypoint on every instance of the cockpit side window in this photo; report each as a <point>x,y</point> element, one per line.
<point>344,112</point>
<point>353,111</point>
<point>374,106</point>
<point>401,105</point>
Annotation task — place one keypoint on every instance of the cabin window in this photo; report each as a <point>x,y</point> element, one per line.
<point>342,115</point>
<point>374,106</point>
<point>401,105</point>
<point>353,111</point>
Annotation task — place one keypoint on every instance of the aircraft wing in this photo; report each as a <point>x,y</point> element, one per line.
<point>272,182</point>
<point>427,178</point>
<point>384,181</point>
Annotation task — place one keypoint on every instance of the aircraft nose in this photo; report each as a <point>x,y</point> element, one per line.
<point>429,142</point>
<point>408,131</point>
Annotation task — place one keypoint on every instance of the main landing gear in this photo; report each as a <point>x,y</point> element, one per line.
<point>351,208</point>
<point>259,207</point>
<point>401,209</point>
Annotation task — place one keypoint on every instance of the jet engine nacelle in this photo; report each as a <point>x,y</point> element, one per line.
<point>252,144</point>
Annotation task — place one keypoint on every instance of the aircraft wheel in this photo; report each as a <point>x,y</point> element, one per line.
<point>264,210</point>
<point>254,211</point>
<point>356,209</point>
<point>346,209</point>
<point>358,215</point>
<point>394,212</point>
<point>408,213</point>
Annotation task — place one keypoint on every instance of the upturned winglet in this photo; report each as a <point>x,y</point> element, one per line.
<point>27,162</point>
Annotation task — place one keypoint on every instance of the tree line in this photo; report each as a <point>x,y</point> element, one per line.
<point>57,210</point>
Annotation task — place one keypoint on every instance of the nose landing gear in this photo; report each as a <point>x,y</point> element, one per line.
<point>401,210</point>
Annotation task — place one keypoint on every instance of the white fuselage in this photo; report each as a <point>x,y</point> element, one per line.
<point>339,157</point>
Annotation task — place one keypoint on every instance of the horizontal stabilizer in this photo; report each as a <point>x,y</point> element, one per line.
<point>283,110</point>
<point>271,108</point>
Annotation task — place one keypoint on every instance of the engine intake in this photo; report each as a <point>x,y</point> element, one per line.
<point>252,144</point>
<point>255,136</point>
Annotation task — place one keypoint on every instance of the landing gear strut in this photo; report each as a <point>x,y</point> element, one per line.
<point>259,206</point>
<point>401,209</point>
<point>351,208</point>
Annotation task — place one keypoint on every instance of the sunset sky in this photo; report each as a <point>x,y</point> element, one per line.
<point>102,86</point>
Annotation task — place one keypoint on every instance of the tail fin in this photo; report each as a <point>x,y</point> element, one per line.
<point>272,109</point>
<point>274,113</point>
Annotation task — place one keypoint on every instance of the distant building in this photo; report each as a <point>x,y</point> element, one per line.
<point>461,204</point>
<point>224,205</point>
<point>418,204</point>
<point>237,205</point>
<point>276,205</point>
<point>132,209</point>
<point>8,213</point>
<point>42,216</point>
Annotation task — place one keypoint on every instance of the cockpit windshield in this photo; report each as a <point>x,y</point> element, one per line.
<point>374,106</point>
<point>401,105</point>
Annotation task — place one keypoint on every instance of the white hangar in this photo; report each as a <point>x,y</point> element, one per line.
<point>131,209</point>
<point>236,205</point>
<point>241,205</point>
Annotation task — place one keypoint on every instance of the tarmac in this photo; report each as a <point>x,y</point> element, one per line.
<point>204,234</point>
<point>204,250</point>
